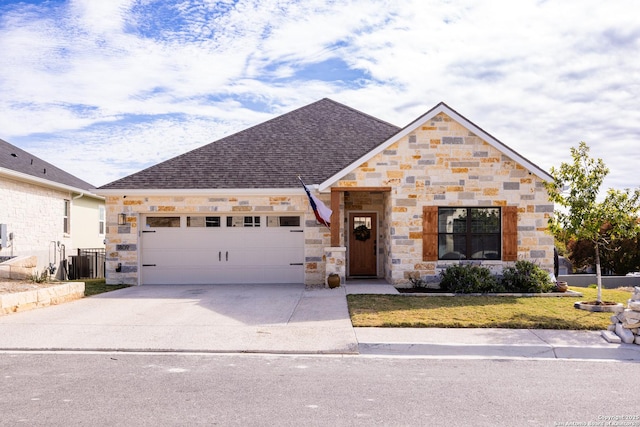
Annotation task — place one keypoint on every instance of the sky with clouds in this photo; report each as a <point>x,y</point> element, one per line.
<point>103,89</point>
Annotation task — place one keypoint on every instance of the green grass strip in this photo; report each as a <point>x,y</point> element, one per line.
<point>402,311</point>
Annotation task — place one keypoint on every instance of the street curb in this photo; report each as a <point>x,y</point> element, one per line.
<point>100,350</point>
<point>621,352</point>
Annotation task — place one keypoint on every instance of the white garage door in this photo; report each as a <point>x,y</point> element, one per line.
<point>198,249</point>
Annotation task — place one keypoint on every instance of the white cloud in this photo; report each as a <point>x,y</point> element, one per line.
<point>538,75</point>
<point>108,152</point>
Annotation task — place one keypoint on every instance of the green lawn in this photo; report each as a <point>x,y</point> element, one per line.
<point>401,311</point>
<point>98,286</point>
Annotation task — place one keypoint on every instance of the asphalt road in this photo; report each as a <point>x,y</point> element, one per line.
<point>124,389</point>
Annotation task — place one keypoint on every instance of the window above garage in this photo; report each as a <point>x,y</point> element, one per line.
<point>163,221</point>
<point>218,221</point>
<point>203,221</point>
<point>283,221</point>
<point>243,221</point>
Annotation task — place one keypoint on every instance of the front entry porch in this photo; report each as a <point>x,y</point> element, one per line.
<point>369,286</point>
<point>360,234</point>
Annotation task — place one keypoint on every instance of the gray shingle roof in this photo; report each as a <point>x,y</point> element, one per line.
<point>18,160</point>
<point>315,141</point>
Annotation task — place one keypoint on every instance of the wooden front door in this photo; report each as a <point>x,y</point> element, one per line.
<point>363,244</point>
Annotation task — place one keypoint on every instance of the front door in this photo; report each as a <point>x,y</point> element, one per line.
<point>363,244</point>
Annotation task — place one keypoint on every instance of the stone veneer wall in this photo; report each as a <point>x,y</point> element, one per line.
<point>123,241</point>
<point>34,214</point>
<point>442,163</point>
<point>19,268</point>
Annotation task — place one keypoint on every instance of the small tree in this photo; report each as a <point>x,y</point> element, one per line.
<point>575,188</point>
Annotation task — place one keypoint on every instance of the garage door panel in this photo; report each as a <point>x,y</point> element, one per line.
<point>161,238</point>
<point>186,258</point>
<point>264,257</point>
<point>204,240</point>
<point>285,256</point>
<point>286,237</point>
<point>178,276</point>
<point>210,255</point>
<point>231,274</point>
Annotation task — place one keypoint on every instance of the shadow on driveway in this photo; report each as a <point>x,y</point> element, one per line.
<point>279,318</point>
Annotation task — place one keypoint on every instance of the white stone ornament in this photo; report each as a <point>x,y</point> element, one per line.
<point>625,335</point>
<point>634,305</point>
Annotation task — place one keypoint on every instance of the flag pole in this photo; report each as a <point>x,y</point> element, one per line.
<point>321,212</point>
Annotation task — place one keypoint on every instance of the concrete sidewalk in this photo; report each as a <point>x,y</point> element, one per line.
<point>485,342</point>
<point>527,343</point>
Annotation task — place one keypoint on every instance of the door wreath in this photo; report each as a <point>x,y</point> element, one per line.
<point>362,233</point>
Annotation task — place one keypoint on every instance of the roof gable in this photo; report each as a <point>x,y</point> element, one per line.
<point>411,127</point>
<point>26,165</point>
<point>315,141</point>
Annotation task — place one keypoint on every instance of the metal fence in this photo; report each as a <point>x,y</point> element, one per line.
<point>87,264</point>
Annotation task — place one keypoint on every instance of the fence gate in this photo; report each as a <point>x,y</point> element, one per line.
<point>88,264</point>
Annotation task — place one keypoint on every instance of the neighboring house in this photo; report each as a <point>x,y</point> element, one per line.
<point>45,212</point>
<point>406,201</point>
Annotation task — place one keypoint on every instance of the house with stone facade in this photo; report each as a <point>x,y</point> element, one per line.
<point>405,202</point>
<point>46,214</point>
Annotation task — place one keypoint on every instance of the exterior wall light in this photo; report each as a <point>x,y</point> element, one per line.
<point>122,219</point>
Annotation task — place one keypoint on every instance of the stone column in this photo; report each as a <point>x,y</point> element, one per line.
<point>335,262</point>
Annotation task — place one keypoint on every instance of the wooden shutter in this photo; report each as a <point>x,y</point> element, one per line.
<point>430,233</point>
<point>510,233</point>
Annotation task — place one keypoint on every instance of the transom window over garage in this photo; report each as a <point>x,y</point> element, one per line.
<point>469,233</point>
<point>203,221</point>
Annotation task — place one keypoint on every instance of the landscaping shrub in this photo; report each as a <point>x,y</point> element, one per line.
<point>526,277</point>
<point>468,278</point>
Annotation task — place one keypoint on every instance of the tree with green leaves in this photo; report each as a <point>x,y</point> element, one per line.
<point>575,189</point>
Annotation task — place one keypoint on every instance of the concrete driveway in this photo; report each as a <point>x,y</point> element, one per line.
<point>190,318</point>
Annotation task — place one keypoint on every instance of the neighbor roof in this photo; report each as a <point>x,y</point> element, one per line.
<point>17,160</point>
<point>315,142</point>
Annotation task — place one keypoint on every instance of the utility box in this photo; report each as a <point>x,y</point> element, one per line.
<point>3,236</point>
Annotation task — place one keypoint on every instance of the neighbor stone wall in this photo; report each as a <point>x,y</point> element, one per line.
<point>34,214</point>
<point>444,164</point>
<point>19,268</point>
<point>44,296</point>
<point>123,241</point>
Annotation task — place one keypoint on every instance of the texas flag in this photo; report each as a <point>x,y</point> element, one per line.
<point>322,213</point>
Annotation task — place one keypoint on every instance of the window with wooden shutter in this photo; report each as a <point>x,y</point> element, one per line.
<point>430,233</point>
<point>510,233</point>
<point>469,233</point>
<point>465,233</point>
